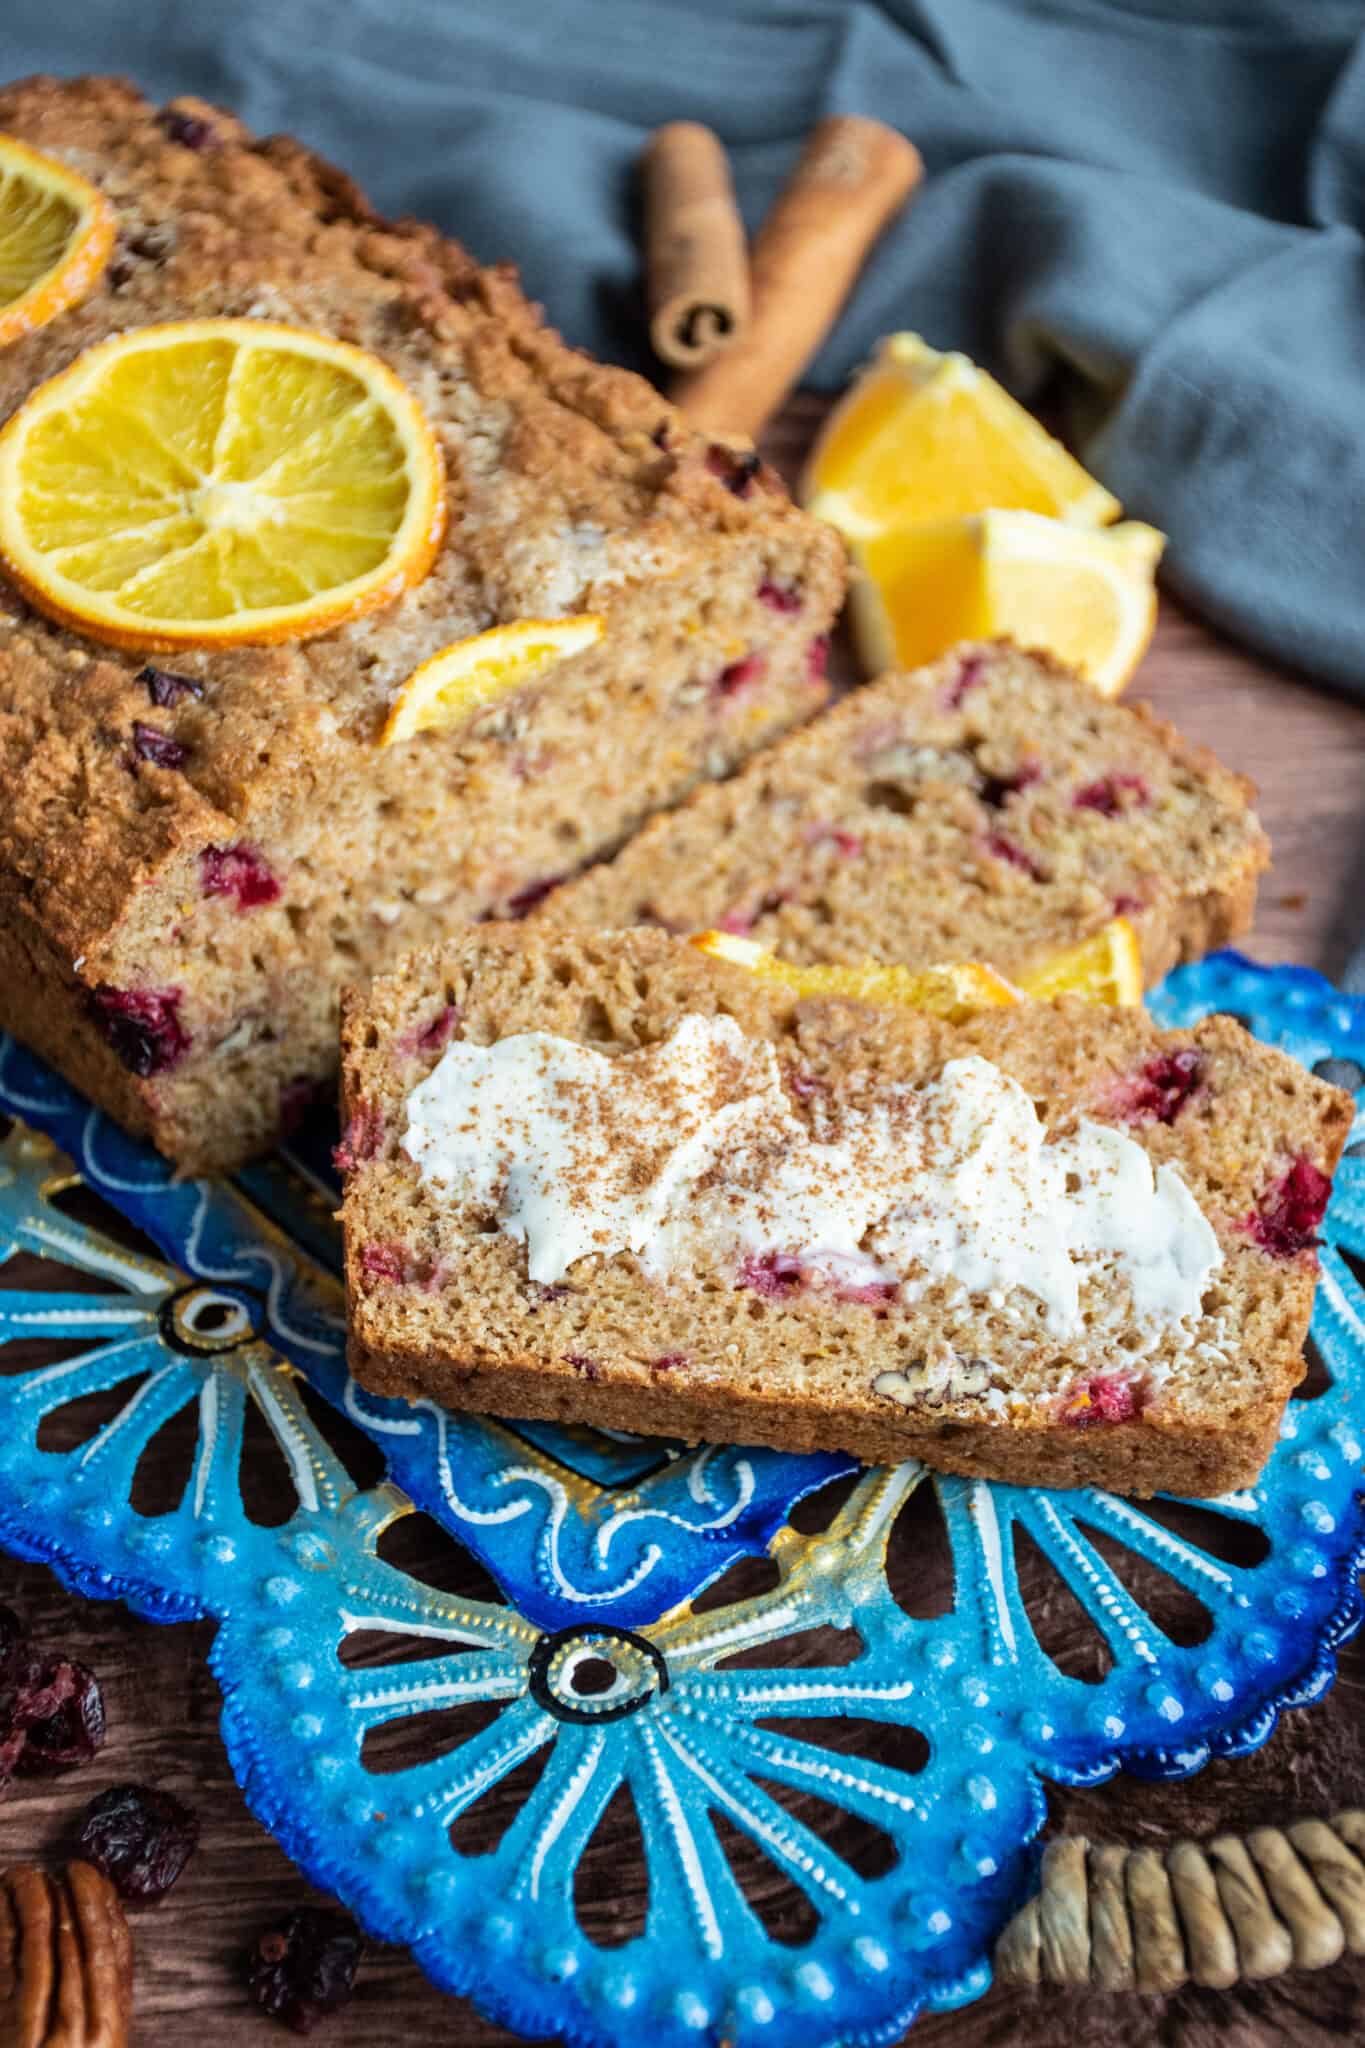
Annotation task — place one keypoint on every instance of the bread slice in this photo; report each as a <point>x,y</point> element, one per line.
<point>196,851</point>
<point>776,1345</point>
<point>990,807</point>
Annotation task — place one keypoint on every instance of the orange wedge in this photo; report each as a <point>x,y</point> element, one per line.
<point>56,231</point>
<point>923,437</point>
<point>1087,597</point>
<point>1104,969</point>
<point>218,481</point>
<point>952,992</point>
<point>471,674</point>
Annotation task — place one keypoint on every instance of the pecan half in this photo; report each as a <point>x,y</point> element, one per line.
<point>66,1960</point>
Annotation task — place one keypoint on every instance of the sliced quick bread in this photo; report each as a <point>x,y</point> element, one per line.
<point>991,807</point>
<point>1051,1245</point>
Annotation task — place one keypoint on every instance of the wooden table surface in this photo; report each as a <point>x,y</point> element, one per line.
<point>1306,750</point>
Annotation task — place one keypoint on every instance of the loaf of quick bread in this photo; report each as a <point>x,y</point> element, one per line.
<point>990,807</point>
<point>608,1179</point>
<point>197,849</point>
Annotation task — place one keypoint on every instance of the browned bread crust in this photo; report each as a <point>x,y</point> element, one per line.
<point>441,1307</point>
<point>988,807</point>
<point>572,486</point>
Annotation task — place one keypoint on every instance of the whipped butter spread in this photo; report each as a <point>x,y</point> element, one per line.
<point>690,1152</point>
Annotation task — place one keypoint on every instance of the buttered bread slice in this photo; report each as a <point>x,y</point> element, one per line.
<point>608,1179</point>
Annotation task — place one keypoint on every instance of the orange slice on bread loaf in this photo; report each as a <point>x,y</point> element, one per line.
<point>56,232</point>
<point>212,482</point>
<point>472,674</point>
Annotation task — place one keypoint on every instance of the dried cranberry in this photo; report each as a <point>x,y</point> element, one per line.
<point>525,900</point>
<point>1124,905</point>
<point>64,1718</point>
<point>187,129</point>
<point>772,1274</point>
<point>736,468</point>
<point>1286,1222</point>
<point>995,790</point>
<point>142,1025</point>
<point>140,1838</point>
<point>740,674</point>
<point>239,872</point>
<point>383,1262</point>
<point>433,1035</point>
<point>741,921</point>
<point>23,1682</point>
<point>1006,850</point>
<point>969,674</point>
<point>580,1362</point>
<point>1103,1399</point>
<point>1107,793</point>
<point>360,1140</point>
<point>817,658</point>
<point>844,842</point>
<point>160,748</point>
<point>779,597</point>
<point>304,1967</point>
<point>165,688</point>
<point>671,1361</point>
<point>296,1099</point>
<point>1161,1088</point>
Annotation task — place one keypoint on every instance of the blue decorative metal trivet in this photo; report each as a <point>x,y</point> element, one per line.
<point>600,1665</point>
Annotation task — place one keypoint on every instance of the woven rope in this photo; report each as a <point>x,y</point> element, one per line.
<point>1233,1910</point>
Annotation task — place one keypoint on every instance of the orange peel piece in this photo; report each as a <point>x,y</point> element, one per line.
<point>953,992</point>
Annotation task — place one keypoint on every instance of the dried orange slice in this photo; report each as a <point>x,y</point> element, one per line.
<point>923,437</point>
<point>953,992</point>
<point>56,231</point>
<point>1087,597</point>
<point>218,481</point>
<point>473,673</point>
<point>1106,968</point>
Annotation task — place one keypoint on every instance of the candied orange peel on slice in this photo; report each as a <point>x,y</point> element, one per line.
<point>952,992</point>
<point>56,232</point>
<point>212,482</point>
<point>1105,968</point>
<point>471,674</point>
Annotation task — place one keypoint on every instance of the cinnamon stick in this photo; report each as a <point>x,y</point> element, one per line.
<point>854,175</point>
<point>696,261</point>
